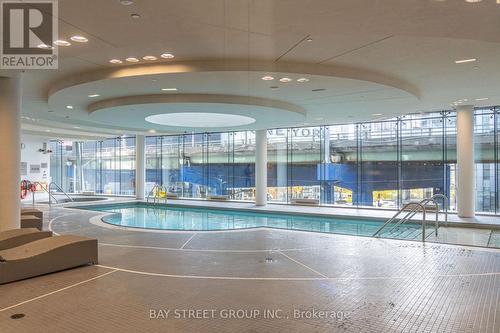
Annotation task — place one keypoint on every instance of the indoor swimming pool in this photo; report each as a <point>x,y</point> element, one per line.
<point>159,217</point>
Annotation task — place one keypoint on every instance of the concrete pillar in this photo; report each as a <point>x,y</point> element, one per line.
<point>10,152</point>
<point>466,177</point>
<point>261,167</point>
<point>140,167</point>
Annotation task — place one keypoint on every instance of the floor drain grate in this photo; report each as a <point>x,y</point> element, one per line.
<point>17,316</point>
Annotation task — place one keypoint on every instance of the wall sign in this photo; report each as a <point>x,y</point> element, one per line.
<point>24,168</point>
<point>34,168</point>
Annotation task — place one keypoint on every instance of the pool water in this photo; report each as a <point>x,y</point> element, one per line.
<point>139,215</point>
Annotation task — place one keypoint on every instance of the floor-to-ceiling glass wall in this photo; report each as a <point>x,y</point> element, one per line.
<point>383,164</point>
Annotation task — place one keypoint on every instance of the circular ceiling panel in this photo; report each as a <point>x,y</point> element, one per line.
<point>199,119</point>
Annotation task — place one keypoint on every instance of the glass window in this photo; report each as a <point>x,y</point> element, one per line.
<point>278,167</point>
<point>484,155</point>
<point>340,170</point>
<point>379,165</point>
<point>422,163</point>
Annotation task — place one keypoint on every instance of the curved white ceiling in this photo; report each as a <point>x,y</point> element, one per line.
<point>372,56</point>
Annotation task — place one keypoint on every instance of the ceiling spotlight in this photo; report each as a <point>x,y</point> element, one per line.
<point>169,89</point>
<point>132,59</point>
<point>116,61</point>
<point>267,78</point>
<point>93,95</point>
<point>150,58</point>
<point>126,2</point>
<point>465,60</point>
<point>70,107</point>
<point>62,42</point>
<point>135,16</point>
<point>302,80</point>
<point>45,47</point>
<point>79,39</point>
<point>285,79</point>
<point>167,56</point>
<point>483,98</point>
<point>309,39</point>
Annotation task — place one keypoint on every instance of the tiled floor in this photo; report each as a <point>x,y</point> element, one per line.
<point>362,284</point>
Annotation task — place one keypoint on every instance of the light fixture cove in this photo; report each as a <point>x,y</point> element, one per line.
<point>199,120</point>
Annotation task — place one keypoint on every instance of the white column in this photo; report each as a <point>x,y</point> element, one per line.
<point>10,152</point>
<point>466,177</point>
<point>140,167</point>
<point>261,167</point>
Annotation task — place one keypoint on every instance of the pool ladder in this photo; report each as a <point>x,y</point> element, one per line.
<point>411,209</point>
<point>49,191</point>
<point>155,193</point>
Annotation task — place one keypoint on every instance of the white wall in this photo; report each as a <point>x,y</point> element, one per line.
<point>30,146</point>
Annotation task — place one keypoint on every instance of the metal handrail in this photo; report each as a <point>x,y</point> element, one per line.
<point>158,188</point>
<point>414,210</point>
<point>60,189</point>
<point>43,188</point>
<point>445,200</point>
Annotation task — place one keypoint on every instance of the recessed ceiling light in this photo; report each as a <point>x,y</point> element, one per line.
<point>473,1</point>
<point>167,56</point>
<point>93,95</point>
<point>377,114</point>
<point>465,60</point>
<point>152,131</point>
<point>132,59</point>
<point>116,61</point>
<point>79,39</point>
<point>169,89</point>
<point>126,2</point>
<point>482,98</point>
<point>70,107</point>
<point>135,16</point>
<point>45,47</point>
<point>267,78</point>
<point>47,130</point>
<point>309,39</point>
<point>285,79</point>
<point>150,58</point>
<point>302,80</point>
<point>76,127</point>
<point>62,42</point>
